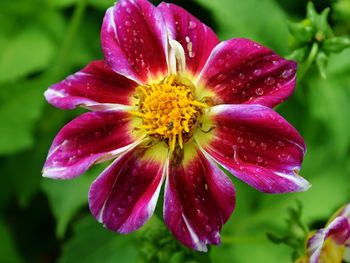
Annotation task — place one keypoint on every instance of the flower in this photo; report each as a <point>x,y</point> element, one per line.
<point>332,243</point>
<point>170,103</point>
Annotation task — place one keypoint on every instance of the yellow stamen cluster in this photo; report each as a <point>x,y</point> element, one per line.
<point>169,110</point>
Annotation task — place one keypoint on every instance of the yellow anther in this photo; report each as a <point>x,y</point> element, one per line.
<point>169,110</point>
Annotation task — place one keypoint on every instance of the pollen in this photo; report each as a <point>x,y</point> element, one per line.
<point>169,110</point>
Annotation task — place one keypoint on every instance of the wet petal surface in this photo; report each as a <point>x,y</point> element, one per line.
<point>242,71</point>
<point>199,199</point>
<point>134,40</point>
<point>257,145</point>
<point>89,138</point>
<point>94,87</point>
<point>124,196</point>
<point>197,39</point>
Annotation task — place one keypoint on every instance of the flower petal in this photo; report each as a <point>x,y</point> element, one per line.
<point>124,196</point>
<point>91,137</point>
<point>338,231</point>
<point>199,199</point>
<point>134,40</point>
<point>242,71</point>
<point>257,145</point>
<point>93,87</point>
<point>197,39</point>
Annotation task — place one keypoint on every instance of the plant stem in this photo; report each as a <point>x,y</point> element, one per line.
<point>310,59</point>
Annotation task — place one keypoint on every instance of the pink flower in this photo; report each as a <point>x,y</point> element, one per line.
<point>332,243</point>
<point>170,102</point>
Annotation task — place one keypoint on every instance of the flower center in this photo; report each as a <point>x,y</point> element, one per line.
<point>169,110</point>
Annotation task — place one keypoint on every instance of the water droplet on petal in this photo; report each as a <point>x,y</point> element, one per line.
<point>263,146</point>
<point>192,25</point>
<point>240,140</point>
<point>287,73</point>
<point>252,143</point>
<point>127,23</point>
<point>128,10</point>
<point>220,62</point>
<point>241,76</point>
<point>130,199</point>
<point>259,159</point>
<point>200,213</point>
<point>121,210</point>
<point>208,228</point>
<point>259,91</point>
<point>270,81</point>
<point>221,77</point>
<point>257,72</point>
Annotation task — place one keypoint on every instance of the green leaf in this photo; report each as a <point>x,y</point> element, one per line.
<point>21,105</point>
<point>262,21</point>
<point>27,52</point>
<point>8,251</point>
<point>91,243</point>
<point>67,197</point>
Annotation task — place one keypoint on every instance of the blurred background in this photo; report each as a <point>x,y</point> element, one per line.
<point>43,220</point>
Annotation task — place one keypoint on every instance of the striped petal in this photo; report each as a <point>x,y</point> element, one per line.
<point>197,39</point>
<point>92,137</point>
<point>124,196</point>
<point>327,245</point>
<point>257,145</point>
<point>134,40</point>
<point>242,71</point>
<point>95,87</point>
<point>199,198</point>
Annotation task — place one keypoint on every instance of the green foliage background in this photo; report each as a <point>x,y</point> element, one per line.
<point>42,220</point>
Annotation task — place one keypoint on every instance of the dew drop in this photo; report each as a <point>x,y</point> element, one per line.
<point>270,81</point>
<point>127,23</point>
<point>208,228</point>
<point>234,90</point>
<point>121,210</point>
<point>200,213</point>
<point>128,10</point>
<point>220,62</point>
<point>263,146</point>
<point>280,143</point>
<point>259,159</point>
<point>252,143</point>
<point>259,91</point>
<point>240,140</point>
<point>241,76</point>
<point>257,72</point>
<point>130,199</point>
<point>287,73</point>
<point>221,77</point>
<point>192,25</point>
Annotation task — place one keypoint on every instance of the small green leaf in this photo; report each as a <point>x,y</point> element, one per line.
<point>27,52</point>
<point>67,197</point>
<point>321,63</point>
<point>336,44</point>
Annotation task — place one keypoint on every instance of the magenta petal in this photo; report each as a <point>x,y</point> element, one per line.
<point>197,39</point>
<point>93,87</point>
<point>338,230</point>
<point>134,40</point>
<point>89,138</point>
<point>124,196</point>
<point>242,71</point>
<point>199,199</point>
<point>258,146</point>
